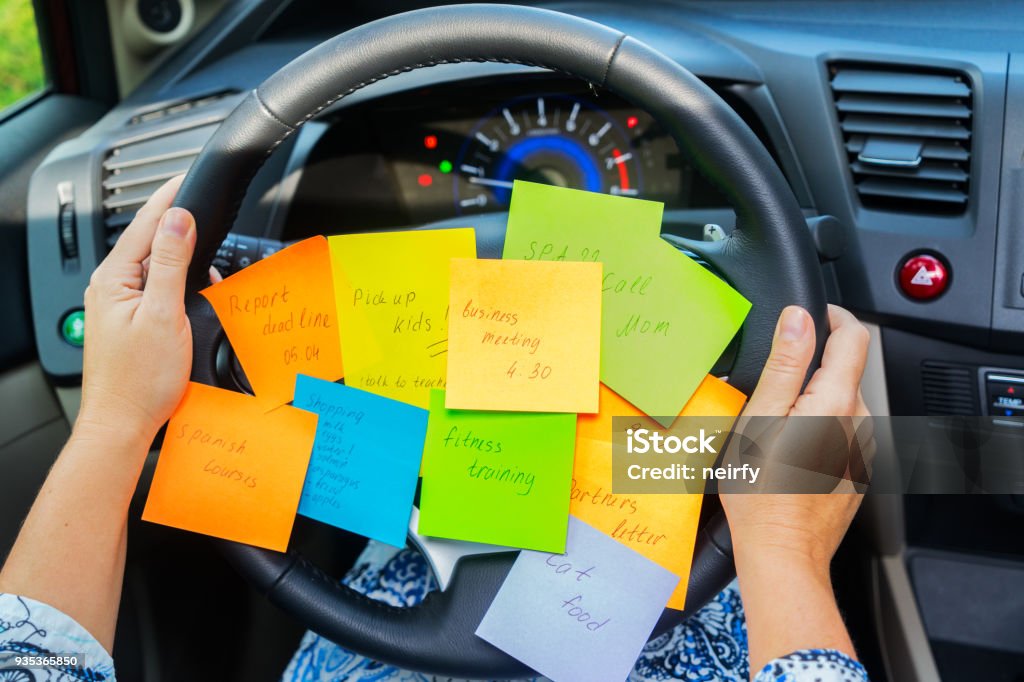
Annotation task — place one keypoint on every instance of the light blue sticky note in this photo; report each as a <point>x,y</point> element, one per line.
<point>366,459</point>
<point>582,615</point>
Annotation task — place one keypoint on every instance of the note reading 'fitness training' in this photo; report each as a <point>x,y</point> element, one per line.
<point>661,527</point>
<point>666,319</point>
<point>524,336</point>
<point>280,317</point>
<point>391,289</point>
<point>366,459</point>
<point>500,478</point>
<point>582,615</point>
<point>229,469</point>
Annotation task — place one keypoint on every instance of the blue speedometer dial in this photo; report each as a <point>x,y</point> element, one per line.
<point>556,140</point>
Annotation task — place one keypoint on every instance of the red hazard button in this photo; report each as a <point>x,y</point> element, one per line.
<point>923,277</point>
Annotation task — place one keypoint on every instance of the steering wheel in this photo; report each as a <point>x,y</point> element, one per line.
<point>769,258</point>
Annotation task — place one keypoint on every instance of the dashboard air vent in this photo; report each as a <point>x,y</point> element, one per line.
<point>949,389</point>
<point>139,164</point>
<point>907,134</point>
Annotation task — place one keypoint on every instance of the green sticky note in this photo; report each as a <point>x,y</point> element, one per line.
<point>502,478</point>
<point>665,319</point>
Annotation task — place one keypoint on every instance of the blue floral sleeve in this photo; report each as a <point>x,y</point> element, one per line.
<point>813,665</point>
<point>38,643</point>
<point>711,646</point>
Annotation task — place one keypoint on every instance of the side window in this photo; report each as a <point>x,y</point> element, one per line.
<point>21,61</point>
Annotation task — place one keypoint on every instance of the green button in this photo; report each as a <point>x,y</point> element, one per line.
<point>73,328</point>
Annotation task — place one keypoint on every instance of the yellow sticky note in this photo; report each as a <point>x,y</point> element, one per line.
<point>524,336</point>
<point>280,317</point>
<point>391,291</point>
<point>230,470</point>
<point>661,527</point>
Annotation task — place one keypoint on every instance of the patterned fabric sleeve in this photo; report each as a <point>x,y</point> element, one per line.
<point>813,665</point>
<point>32,630</point>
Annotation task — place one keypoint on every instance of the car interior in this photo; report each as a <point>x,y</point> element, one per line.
<point>896,126</point>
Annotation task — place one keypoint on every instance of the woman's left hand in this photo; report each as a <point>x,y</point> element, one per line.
<point>138,341</point>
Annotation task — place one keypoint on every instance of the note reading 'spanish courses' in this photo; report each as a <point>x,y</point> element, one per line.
<point>500,478</point>
<point>391,289</point>
<point>231,470</point>
<point>366,459</point>
<point>280,317</point>
<point>580,616</point>
<point>524,336</point>
<point>666,319</point>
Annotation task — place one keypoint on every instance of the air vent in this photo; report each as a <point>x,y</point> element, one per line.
<point>949,389</point>
<point>907,135</point>
<point>135,168</point>
<point>178,108</point>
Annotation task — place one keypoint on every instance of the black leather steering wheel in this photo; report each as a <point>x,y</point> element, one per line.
<point>769,258</point>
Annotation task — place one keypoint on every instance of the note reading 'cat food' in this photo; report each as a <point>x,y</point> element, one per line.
<point>582,615</point>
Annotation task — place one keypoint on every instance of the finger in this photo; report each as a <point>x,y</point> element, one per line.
<point>215,276</point>
<point>135,242</point>
<point>842,365</point>
<point>168,263</point>
<point>783,375</point>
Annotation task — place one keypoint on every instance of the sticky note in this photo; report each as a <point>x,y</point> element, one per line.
<point>280,318</point>
<point>661,527</point>
<point>666,319</point>
<point>231,470</point>
<point>444,555</point>
<point>391,290</point>
<point>366,459</point>
<point>500,478</point>
<point>713,398</point>
<point>524,336</point>
<point>582,615</point>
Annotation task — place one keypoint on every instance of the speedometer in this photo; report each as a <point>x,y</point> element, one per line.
<point>555,140</point>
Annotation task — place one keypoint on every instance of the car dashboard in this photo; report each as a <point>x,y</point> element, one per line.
<point>900,122</point>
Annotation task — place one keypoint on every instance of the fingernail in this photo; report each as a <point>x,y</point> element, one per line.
<point>176,221</point>
<point>793,325</point>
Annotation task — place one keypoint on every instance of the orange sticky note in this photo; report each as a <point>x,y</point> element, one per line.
<point>230,470</point>
<point>713,398</point>
<point>280,317</point>
<point>661,527</point>
<point>524,336</point>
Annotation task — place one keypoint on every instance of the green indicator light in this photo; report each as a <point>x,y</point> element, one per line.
<point>73,328</point>
<point>445,166</point>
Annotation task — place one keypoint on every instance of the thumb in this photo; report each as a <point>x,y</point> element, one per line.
<point>168,262</point>
<point>783,375</point>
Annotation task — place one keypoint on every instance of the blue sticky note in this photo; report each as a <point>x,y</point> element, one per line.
<point>582,615</point>
<point>366,459</point>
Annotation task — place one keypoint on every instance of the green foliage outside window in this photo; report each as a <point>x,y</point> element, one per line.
<point>21,62</point>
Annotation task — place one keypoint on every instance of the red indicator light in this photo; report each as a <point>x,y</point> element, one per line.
<point>430,141</point>
<point>632,121</point>
<point>425,180</point>
<point>1010,390</point>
